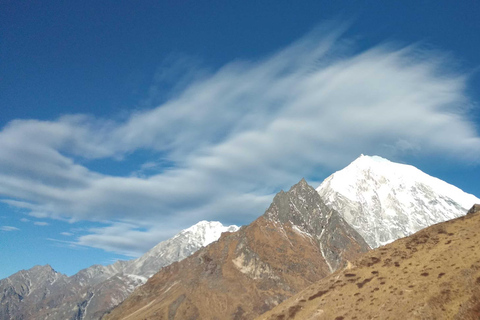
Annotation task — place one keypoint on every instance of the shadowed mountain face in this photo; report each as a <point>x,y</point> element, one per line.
<point>432,274</point>
<point>295,243</point>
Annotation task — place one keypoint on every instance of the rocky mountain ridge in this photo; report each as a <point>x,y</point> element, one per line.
<point>42,293</point>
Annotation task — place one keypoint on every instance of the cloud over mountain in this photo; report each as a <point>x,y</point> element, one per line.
<point>224,144</point>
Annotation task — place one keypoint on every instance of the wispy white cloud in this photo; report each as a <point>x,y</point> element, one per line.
<point>66,244</point>
<point>41,223</point>
<point>24,220</point>
<point>67,234</point>
<point>8,228</point>
<point>124,238</point>
<point>236,137</point>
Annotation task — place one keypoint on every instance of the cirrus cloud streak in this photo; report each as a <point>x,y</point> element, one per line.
<point>237,136</point>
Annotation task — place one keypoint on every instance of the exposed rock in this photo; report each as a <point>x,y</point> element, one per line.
<point>474,209</point>
<point>27,286</point>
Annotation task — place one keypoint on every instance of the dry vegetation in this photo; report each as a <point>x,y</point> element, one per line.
<point>433,274</point>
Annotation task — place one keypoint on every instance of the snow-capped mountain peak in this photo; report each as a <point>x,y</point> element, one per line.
<point>384,200</point>
<point>206,232</point>
<point>179,247</point>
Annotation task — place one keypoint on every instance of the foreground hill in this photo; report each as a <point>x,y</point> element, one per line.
<point>43,293</point>
<point>385,201</point>
<point>433,274</point>
<point>295,243</point>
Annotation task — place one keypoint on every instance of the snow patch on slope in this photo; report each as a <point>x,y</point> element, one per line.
<point>178,248</point>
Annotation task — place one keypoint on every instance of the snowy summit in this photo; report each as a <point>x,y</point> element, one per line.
<point>384,200</point>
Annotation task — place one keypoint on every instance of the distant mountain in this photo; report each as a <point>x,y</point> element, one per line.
<point>295,243</point>
<point>177,248</point>
<point>27,285</point>
<point>385,201</point>
<point>432,274</point>
<point>42,293</point>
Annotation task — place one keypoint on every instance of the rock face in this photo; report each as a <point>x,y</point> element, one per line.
<point>296,242</point>
<point>474,209</point>
<point>306,212</point>
<point>42,293</point>
<point>385,201</point>
<point>27,285</point>
<point>432,274</point>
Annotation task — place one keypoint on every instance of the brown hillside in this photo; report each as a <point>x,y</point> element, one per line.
<point>432,274</point>
<point>294,244</point>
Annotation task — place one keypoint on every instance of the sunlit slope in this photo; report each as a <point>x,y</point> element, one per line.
<point>432,274</point>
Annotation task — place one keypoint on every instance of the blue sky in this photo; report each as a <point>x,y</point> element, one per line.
<point>123,122</point>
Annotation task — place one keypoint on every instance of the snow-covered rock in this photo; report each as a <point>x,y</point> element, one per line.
<point>385,201</point>
<point>177,248</point>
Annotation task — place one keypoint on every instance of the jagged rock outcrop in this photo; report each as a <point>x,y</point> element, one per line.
<point>305,210</point>
<point>474,209</point>
<point>296,242</point>
<point>27,286</point>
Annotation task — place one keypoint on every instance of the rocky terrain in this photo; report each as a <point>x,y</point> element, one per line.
<point>294,244</point>
<point>385,201</point>
<point>42,293</point>
<point>432,274</point>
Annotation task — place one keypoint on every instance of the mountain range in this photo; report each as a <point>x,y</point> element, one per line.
<point>43,293</point>
<point>303,237</point>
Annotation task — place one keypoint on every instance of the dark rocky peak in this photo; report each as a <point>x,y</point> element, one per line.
<point>302,189</point>
<point>45,268</point>
<point>302,206</point>
<point>25,289</point>
<point>304,209</point>
<point>302,185</point>
<point>474,209</point>
<point>36,273</point>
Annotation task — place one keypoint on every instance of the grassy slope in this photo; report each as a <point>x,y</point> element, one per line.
<point>433,274</point>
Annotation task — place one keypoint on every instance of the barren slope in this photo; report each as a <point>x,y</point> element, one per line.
<point>432,274</point>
